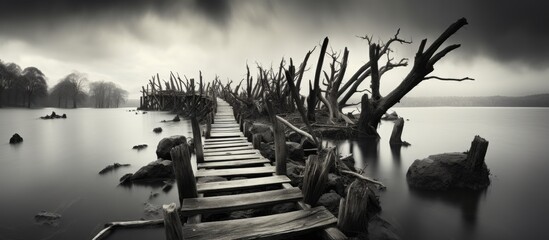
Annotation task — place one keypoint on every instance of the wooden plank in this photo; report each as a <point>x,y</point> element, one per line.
<point>234,171</point>
<point>232,129</point>
<point>241,184</point>
<point>226,145</point>
<point>228,142</point>
<point>236,163</point>
<point>225,135</point>
<point>229,203</point>
<point>277,226</point>
<point>212,150</point>
<point>232,153</point>
<point>226,139</point>
<point>229,158</point>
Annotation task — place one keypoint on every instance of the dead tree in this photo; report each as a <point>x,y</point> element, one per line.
<point>426,57</point>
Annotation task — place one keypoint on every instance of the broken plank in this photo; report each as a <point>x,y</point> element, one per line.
<point>229,203</point>
<point>234,171</point>
<point>277,226</point>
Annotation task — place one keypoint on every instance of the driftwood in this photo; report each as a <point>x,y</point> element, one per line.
<point>303,133</point>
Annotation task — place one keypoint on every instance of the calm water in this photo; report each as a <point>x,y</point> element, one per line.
<point>55,169</point>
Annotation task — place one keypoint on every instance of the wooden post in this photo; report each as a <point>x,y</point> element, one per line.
<point>197,138</point>
<point>207,134</point>
<point>280,147</point>
<point>477,152</point>
<point>184,176</point>
<point>315,179</point>
<point>353,214</point>
<point>172,223</point>
<point>241,123</point>
<point>256,141</point>
<point>397,132</point>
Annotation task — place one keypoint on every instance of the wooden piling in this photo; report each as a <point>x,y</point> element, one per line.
<point>197,138</point>
<point>208,132</point>
<point>280,147</point>
<point>477,152</point>
<point>397,132</point>
<point>353,209</point>
<point>256,141</point>
<point>184,176</point>
<point>172,223</point>
<point>315,178</point>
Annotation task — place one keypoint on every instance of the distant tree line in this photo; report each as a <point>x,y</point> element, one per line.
<point>28,87</point>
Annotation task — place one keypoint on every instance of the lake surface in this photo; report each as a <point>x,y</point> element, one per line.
<point>56,169</point>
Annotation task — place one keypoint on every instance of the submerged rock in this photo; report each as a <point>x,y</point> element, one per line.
<point>112,167</point>
<point>48,218</point>
<point>54,116</point>
<point>126,179</point>
<point>452,170</point>
<point>166,144</point>
<point>140,146</point>
<point>157,130</point>
<point>16,139</point>
<point>158,170</point>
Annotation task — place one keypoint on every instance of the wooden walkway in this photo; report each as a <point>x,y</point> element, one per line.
<point>227,153</point>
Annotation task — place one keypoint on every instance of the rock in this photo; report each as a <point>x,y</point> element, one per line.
<point>48,218</point>
<point>166,144</point>
<point>294,172</point>
<point>336,183</point>
<point>295,151</point>
<point>264,130</point>
<point>168,185</point>
<point>16,139</point>
<point>53,115</point>
<point>379,229</point>
<point>126,178</point>
<point>112,167</point>
<point>211,179</point>
<point>308,146</point>
<point>452,170</point>
<point>283,208</point>
<point>330,201</point>
<point>157,130</point>
<point>294,137</point>
<point>140,146</point>
<point>151,209</point>
<point>159,169</point>
<point>64,116</point>
<point>267,150</point>
<point>349,161</point>
<point>390,116</point>
<point>176,118</point>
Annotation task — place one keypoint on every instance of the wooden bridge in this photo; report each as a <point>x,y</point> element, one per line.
<point>227,153</point>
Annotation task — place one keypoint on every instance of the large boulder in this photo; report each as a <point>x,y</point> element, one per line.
<point>16,139</point>
<point>264,130</point>
<point>267,150</point>
<point>157,130</point>
<point>157,170</point>
<point>295,151</point>
<point>166,144</point>
<point>452,170</point>
<point>294,137</point>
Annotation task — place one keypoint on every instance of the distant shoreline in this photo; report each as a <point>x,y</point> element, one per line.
<point>539,100</point>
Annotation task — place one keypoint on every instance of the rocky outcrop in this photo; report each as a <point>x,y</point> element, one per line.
<point>112,167</point>
<point>166,144</point>
<point>330,200</point>
<point>16,139</point>
<point>264,130</point>
<point>54,116</point>
<point>157,130</point>
<point>452,170</point>
<point>154,171</point>
<point>140,146</point>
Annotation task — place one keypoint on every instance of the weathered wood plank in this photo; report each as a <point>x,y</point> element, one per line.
<point>229,158</point>
<point>225,139</point>
<point>232,153</point>
<point>234,171</point>
<point>238,148</point>
<point>278,226</point>
<point>236,163</point>
<point>226,145</point>
<point>225,135</point>
<point>241,184</point>
<point>229,203</point>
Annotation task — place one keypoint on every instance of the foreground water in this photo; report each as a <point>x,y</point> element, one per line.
<point>55,169</point>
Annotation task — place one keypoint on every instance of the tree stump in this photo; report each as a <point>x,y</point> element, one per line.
<point>172,223</point>
<point>397,133</point>
<point>353,210</point>
<point>477,152</point>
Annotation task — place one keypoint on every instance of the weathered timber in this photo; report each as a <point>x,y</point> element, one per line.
<point>235,171</point>
<point>172,223</point>
<point>241,184</point>
<point>212,140</point>
<point>197,138</point>
<point>184,176</point>
<point>229,203</point>
<point>477,152</point>
<point>226,145</point>
<point>278,226</point>
<point>229,157</point>
<point>245,147</point>
<point>397,132</point>
<point>353,210</point>
<point>315,178</point>
<point>234,163</point>
<point>280,148</point>
<point>232,153</point>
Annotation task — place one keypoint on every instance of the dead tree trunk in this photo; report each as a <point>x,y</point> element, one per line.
<point>315,90</point>
<point>374,108</point>
<point>397,132</point>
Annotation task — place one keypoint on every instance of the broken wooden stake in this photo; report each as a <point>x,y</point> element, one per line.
<point>172,223</point>
<point>184,176</point>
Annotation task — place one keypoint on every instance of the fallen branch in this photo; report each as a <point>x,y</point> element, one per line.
<point>306,134</point>
<point>127,224</point>
<point>363,178</point>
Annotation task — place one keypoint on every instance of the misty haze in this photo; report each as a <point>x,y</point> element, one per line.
<point>217,119</point>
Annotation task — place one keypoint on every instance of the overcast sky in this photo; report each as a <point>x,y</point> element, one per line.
<point>504,47</point>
